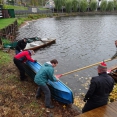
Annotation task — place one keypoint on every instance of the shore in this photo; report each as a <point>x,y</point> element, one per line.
<point>18,98</point>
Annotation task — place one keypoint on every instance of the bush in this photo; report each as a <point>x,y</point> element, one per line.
<point>110,6</point>
<point>75,5</point>
<point>83,5</point>
<point>93,5</point>
<point>103,5</point>
<point>5,41</point>
<point>115,5</point>
<point>68,6</point>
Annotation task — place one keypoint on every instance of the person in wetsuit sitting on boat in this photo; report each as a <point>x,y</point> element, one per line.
<point>20,58</point>
<point>46,73</point>
<point>99,90</point>
<point>21,44</point>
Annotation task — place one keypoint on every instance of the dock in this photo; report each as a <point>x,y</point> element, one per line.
<point>109,110</point>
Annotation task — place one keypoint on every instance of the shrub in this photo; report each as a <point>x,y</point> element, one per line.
<point>93,5</point>
<point>75,5</point>
<point>68,6</point>
<point>5,41</point>
<point>58,4</point>
<point>115,5</point>
<point>83,5</point>
<point>110,6</point>
<point>103,5</point>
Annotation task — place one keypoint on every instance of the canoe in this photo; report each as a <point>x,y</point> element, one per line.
<point>33,43</point>
<point>59,90</point>
<point>113,73</point>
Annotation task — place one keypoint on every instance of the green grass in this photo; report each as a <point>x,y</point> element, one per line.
<point>21,20</point>
<point>15,7</point>
<point>6,22</point>
<point>5,41</point>
<point>41,8</point>
<point>4,58</point>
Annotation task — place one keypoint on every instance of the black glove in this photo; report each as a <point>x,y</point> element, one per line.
<point>35,61</point>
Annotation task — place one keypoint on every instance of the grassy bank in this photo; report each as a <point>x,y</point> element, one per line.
<point>5,58</point>
<point>17,99</point>
<point>6,22</point>
<point>15,7</point>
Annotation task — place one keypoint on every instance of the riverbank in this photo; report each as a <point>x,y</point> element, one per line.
<point>18,98</point>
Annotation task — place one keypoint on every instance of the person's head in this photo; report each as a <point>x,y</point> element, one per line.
<point>31,52</point>
<point>25,40</point>
<point>102,67</point>
<point>54,62</point>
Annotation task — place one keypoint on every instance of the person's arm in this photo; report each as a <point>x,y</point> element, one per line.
<point>91,90</point>
<point>19,44</point>
<point>51,75</point>
<point>29,57</point>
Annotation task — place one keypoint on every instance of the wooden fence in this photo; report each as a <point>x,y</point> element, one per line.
<point>25,13</point>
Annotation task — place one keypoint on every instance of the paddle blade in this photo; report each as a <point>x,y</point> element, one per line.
<point>58,76</point>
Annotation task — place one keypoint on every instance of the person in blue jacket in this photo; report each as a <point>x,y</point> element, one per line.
<point>46,73</point>
<point>99,90</point>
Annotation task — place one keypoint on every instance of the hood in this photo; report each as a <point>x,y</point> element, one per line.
<point>48,64</point>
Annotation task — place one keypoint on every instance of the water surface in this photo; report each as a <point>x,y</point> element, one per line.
<point>80,41</point>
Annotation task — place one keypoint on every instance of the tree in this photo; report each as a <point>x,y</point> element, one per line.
<point>58,4</point>
<point>34,2</point>
<point>75,5</point>
<point>68,5</point>
<point>103,5</point>
<point>83,5</point>
<point>1,1</point>
<point>93,5</point>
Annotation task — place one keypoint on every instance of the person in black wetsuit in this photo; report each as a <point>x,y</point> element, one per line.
<point>21,44</point>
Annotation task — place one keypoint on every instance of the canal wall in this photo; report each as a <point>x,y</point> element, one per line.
<point>85,13</point>
<point>10,31</point>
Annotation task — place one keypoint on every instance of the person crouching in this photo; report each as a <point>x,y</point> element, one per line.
<point>21,58</point>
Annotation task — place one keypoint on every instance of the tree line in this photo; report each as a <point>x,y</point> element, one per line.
<point>84,5</point>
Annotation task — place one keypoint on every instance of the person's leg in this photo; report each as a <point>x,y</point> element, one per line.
<point>88,106</point>
<point>38,94</point>
<point>92,105</point>
<point>21,69</point>
<point>47,93</point>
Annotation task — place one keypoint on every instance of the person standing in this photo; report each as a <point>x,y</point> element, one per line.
<point>99,90</point>
<point>46,73</point>
<point>115,55</point>
<point>21,44</point>
<point>20,58</point>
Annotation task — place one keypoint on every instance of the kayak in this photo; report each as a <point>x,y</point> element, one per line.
<point>59,90</point>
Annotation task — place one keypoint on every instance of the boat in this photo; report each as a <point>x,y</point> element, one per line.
<point>59,90</point>
<point>113,73</point>
<point>33,43</point>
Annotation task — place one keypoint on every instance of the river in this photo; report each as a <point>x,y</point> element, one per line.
<point>80,41</point>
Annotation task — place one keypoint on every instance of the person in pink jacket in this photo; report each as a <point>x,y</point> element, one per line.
<point>21,58</point>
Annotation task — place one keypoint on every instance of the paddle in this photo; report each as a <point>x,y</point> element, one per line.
<point>84,67</point>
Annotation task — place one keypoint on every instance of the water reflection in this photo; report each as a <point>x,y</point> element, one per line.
<point>80,41</point>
